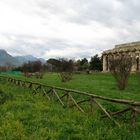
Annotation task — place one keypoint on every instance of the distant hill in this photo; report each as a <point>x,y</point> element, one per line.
<point>7,59</point>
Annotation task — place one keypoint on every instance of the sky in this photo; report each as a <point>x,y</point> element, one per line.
<point>67,28</point>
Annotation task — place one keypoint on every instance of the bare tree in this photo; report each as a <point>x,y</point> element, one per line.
<point>120,67</point>
<point>33,69</point>
<point>66,68</point>
<point>63,66</point>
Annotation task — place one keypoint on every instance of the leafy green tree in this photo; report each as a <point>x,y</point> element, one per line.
<point>82,64</point>
<point>83,61</point>
<point>55,64</point>
<point>96,63</point>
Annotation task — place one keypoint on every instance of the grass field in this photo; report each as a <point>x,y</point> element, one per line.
<point>98,83</point>
<point>23,116</point>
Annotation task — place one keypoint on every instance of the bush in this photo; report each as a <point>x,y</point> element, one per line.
<point>120,67</point>
<point>66,76</point>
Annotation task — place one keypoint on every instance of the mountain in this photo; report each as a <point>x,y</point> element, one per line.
<point>27,58</point>
<point>7,59</point>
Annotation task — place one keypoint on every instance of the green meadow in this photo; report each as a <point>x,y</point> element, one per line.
<point>24,116</point>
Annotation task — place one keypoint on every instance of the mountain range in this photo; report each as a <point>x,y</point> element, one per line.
<point>7,59</point>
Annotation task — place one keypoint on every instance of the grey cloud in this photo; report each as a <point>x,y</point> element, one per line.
<point>85,11</point>
<point>120,16</point>
<point>23,45</point>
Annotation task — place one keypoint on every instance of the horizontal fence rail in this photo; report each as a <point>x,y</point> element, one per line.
<point>83,101</point>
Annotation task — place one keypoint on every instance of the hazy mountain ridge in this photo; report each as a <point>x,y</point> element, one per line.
<point>7,59</point>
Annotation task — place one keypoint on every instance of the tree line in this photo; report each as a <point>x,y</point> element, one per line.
<point>94,64</point>
<point>65,67</point>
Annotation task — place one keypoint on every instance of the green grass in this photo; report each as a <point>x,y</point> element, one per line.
<point>98,83</point>
<point>25,117</point>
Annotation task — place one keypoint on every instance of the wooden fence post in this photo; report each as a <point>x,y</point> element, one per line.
<point>92,104</point>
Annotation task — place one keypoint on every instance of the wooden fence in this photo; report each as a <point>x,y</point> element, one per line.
<point>83,101</point>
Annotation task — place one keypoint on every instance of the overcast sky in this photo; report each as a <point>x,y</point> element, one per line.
<point>67,28</point>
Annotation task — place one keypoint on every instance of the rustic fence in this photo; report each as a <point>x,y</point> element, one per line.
<point>83,101</point>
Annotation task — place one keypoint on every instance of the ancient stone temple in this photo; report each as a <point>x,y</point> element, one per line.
<point>131,49</point>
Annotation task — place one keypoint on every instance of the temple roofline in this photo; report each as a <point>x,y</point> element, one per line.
<point>137,43</point>
<point>132,46</point>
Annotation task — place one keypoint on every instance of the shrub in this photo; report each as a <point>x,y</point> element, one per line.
<point>66,76</point>
<point>120,67</point>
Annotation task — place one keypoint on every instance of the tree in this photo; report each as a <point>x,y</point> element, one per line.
<point>77,64</point>
<point>53,64</point>
<point>83,61</point>
<point>37,66</point>
<point>33,67</point>
<point>82,64</point>
<point>96,63</point>
<point>120,67</point>
<point>64,67</point>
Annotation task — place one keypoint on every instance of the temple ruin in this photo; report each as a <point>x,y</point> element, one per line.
<point>131,49</point>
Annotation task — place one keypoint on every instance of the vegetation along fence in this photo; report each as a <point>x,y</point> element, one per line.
<point>83,101</point>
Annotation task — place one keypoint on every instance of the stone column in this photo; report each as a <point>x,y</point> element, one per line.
<point>134,64</point>
<point>104,63</point>
<point>110,57</point>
